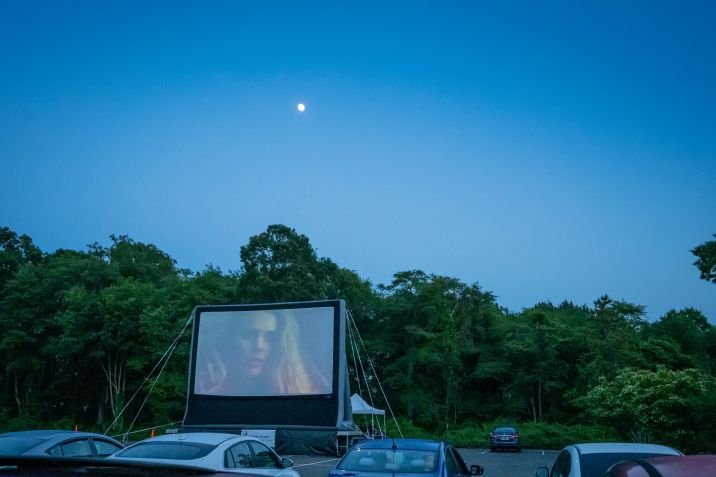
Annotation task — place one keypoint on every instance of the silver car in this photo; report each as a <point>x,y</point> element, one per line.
<point>217,451</point>
<point>57,443</point>
<point>593,460</point>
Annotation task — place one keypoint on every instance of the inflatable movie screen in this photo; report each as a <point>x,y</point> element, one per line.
<point>252,363</point>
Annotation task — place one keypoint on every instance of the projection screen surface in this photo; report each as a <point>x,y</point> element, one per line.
<point>275,352</point>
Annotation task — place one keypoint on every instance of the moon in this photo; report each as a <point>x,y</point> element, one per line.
<point>301,107</point>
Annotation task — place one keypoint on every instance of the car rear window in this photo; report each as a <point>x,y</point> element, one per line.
<point>17,445</point>
<point>505,430</point>
<point>595,465</point>
<point>167,450</point>
<point>389,461</point>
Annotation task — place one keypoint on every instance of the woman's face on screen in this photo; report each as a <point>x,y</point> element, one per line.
<point>256,341</point>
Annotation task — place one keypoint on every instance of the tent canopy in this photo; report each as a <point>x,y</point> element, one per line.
<point>359,406</point>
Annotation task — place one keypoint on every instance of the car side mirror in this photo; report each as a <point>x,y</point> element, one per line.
<point>286,463</point>
<point>476,470</point>
<point>542,472</point>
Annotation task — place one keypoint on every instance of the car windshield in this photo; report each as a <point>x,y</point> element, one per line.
<point>17,445</point>
<point>167,450</point>
<point>595,465</point>
<point>387,460</point>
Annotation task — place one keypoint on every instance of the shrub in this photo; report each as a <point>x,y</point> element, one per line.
<point>534,436</point>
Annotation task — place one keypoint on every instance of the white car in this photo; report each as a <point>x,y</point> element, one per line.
<point>593,460</point>
<point>213,450</point>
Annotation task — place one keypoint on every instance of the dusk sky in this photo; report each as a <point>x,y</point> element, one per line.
<point>547,151</point>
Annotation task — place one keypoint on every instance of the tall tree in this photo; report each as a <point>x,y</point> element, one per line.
<point>15,251</point>
<point>429,328</point>
<point>33,300</point>
<point>691,333</point>
<point>706,259</point>
<point>281,265</point>
<point>613,338</point>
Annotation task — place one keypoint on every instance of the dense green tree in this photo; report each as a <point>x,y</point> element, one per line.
<point>86,336</point>
<point>706,259</point>
<point>485,327</point>
<point>431,328</point>
<point>613,340</point>
<point>660,405</point>
<point>33,300</point>
<point>281,265</point>
<point>691,336</point>
<point>15,251</point>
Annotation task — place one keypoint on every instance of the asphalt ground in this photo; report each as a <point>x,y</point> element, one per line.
<point>496,464</point>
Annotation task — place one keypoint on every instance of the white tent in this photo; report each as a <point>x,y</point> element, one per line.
<point>373,429</point>
<point>359,406</point>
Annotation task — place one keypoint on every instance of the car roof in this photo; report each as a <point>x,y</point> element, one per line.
<point>412,444</point>
<point>624,447</point>
<point>212,438</point>
<point>48,433</point>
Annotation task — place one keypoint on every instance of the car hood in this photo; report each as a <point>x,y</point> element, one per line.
<point>358,473</point>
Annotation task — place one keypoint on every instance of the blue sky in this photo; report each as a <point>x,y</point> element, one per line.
<point>545,150</point>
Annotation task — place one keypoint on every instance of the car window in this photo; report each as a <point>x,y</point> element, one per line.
<point>562,465</point>
<point>105,448</point>
<point>238,457</point>
<point>388,461</point>
<point>55,451</point>
<point>167,450</point>
<point>17,445</point>
<point>76,448</point>
<point>460,461</point>
<point>451,463</point>
<point>505,430</point>
<point>264,457</point>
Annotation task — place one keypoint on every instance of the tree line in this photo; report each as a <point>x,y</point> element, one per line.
<point>80,331</point>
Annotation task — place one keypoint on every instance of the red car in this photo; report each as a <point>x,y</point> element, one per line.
<point>666,466</point>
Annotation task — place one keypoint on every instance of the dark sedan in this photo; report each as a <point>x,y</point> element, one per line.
<point>505,438</point>
<point>404,457</point>
<point>57,443</point>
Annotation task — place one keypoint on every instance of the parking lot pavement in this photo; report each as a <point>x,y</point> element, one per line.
<point>509,463</point>
<point>496,464</point>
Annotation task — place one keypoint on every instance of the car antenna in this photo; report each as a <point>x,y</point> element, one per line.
<point>394,447</point>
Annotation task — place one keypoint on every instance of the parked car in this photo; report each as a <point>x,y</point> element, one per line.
<point>48,466</point>
<point>388,457</point>
<point>57,443</point>
<point>213,450</point>
<point>594,459</point>
<point>669,466</point>
<point>505,438</point>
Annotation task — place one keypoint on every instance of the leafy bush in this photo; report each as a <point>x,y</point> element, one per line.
<point>535,436</point>
<point>407,429</point>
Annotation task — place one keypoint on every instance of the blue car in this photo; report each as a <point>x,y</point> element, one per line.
<point>505,438</point>
<point>403,457</point>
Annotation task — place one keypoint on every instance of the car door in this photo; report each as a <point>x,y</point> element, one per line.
<point>267,462</point>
